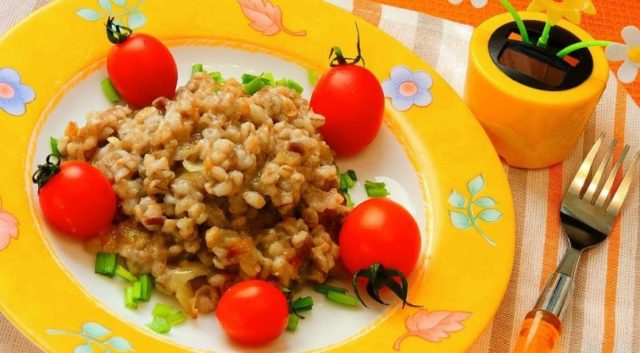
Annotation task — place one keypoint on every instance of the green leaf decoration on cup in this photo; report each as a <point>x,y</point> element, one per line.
<point>467,212</point>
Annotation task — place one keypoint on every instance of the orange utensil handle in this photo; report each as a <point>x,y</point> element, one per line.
<point>539,333</point>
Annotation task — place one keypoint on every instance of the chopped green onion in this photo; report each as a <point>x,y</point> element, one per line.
<point>313,76</point>
<point>374,189</point>
<point>348,200</point>
<point>325,289</point>
<point>109,91</point>
<point>137,291</point>
<point>374,184</point>
<point>177,318</point>
<point>216,76</point>
<point>302,304</point>
<point>254,85</point>
<point>268,79</point>
<point>344,185</point>
<point>129,298</point>
<point>54,147</point>
<point>106,264</point>
<point>246,78</point>
<point>162,310</point>
<point>282,82</point>
<point>293,322</point>
<point>342,298</point>
<point>352,174</point>
<point>159,325</point>
<point>347,181</point>
<point>376,192</point>
<point>196,68</point>
<point>122,272</point>
<point>146,282</point>
<point>294,86</point>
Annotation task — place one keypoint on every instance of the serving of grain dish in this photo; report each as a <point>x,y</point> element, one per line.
<point>216,186</point>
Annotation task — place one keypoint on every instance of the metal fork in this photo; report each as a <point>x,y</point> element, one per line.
<point>588,212</point>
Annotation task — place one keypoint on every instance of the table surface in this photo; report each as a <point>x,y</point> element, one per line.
<point>605,313</point>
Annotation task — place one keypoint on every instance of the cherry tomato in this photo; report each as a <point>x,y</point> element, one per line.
<point>351,100</point>
<point>141,68</point>
<point>380,231</point>
<point>253,312</point>
<point>78,201</point>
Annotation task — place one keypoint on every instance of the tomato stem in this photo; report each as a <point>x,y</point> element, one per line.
<point>46,171</point>
<point>116,33</point>
<point>340,59</point>
<point>377,277</point>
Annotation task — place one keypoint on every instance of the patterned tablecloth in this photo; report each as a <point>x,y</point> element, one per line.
<point>605,313</point>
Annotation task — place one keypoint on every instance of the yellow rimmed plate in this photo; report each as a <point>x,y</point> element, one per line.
<point>432,154</point>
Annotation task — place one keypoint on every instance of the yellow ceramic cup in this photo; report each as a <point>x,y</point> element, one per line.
<point>532,124</point>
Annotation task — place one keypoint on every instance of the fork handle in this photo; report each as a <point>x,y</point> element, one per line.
<point>542,327</point>
<point>539,333</point>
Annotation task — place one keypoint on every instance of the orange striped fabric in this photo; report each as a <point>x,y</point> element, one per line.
<point>603,313</point>
<point>612,16</point>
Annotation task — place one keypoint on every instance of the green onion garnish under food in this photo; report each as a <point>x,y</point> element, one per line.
<point>342,298</point>
<point>246,78</point>
<point>374,189</point>
<point>177,318</point>
<point>125,274</point>
<point>344,185</point>
<point>137,291</point>
<point>347,198</point>
<point>293,322</point>
<point>109,91</point>
<point>282,82</point>
<point>302,304</point>
<point>146,283</point>
<point>162,310</point>
<point>216,76</point>
<point>268,79</point>
<point>294,86</point>
<point>196,68</point>
<point>325,289</point>
<point>347,181</point>
<point>254,85</point>
<point>129,298</point>
<point>106,264</point>
<point>159,325</point>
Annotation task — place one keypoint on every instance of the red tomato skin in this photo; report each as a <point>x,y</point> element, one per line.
<point>380,231</point>
<point>142,69</point>
<point>351,100</point>
<point>253,312</point>
<point>78,201</point>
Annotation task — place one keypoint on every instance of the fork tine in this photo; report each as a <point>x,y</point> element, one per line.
<point>595,181</point>
<point>583,172</point>
<point>604,196</point>
<point>621,193</point>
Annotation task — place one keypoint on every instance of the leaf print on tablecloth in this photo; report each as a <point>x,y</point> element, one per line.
<point>8,228</point>
<point>265,17</point>
<point>432,326</point>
